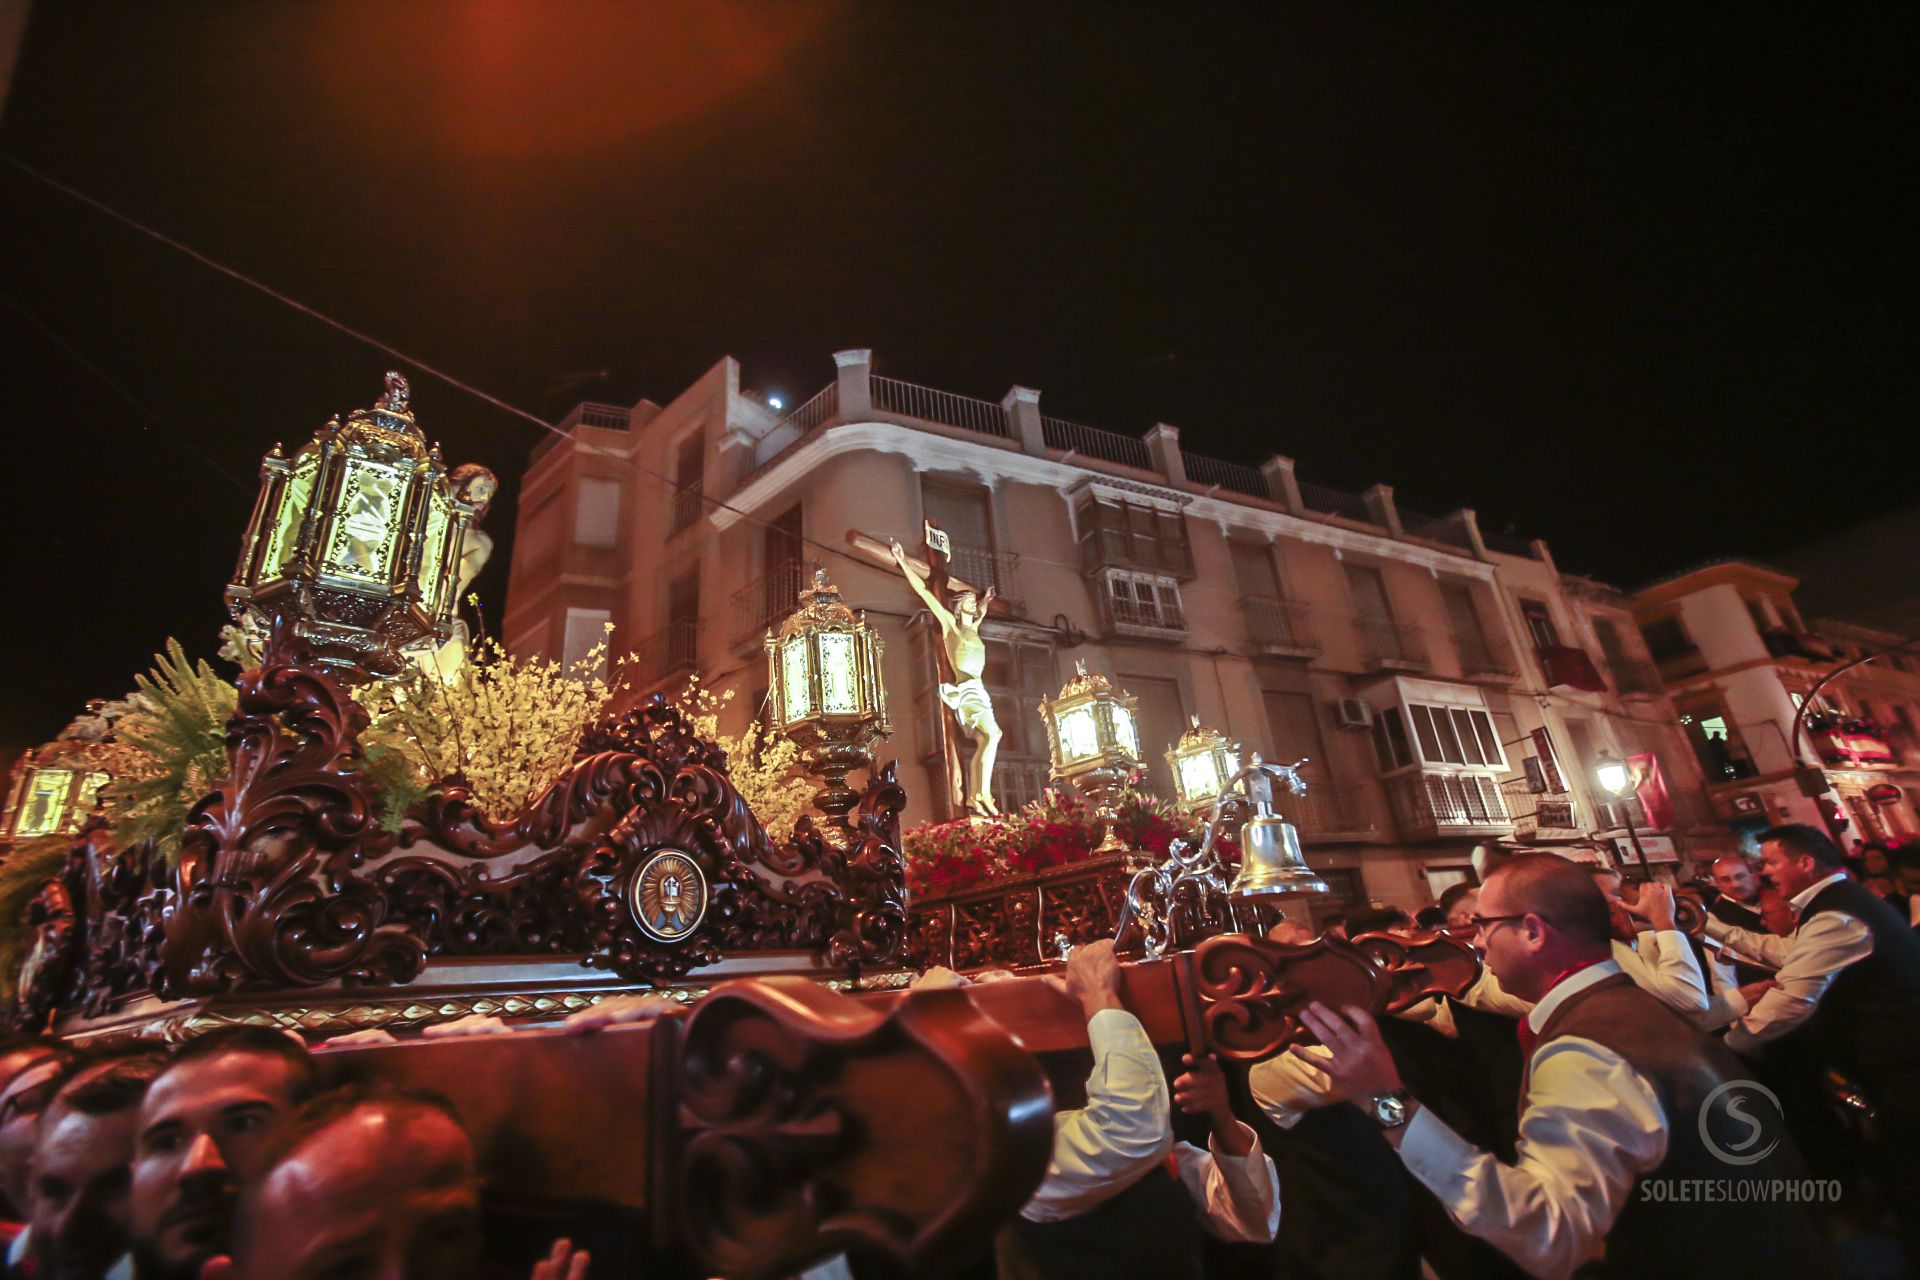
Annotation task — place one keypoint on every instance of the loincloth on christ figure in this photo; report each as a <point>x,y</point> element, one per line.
<point>972,705</point>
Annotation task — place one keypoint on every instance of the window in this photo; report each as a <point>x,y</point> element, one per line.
<point>585,629</point>
<point>1390,741</point>
<point>1163,718</point>
<point>683,623</point>
<point>963,511</point>
<point>1295,730</point>
<point>689,471</point>
<point>1142,600</point>
<point>596,518</point>
<point>1019,674</point>
<point>1456,735</point>
<point>1665,638</point>
<point>1369,590</point>
<point>1113,532</point>
<point>1253,570</point>
<point>1539,620</point>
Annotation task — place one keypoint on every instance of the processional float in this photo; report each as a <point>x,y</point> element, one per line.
<point>800,1101</point>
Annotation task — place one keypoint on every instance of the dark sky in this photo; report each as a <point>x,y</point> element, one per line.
<point>1638,281</point>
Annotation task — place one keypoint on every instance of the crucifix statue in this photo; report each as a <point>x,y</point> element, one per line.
<point>965,654</point>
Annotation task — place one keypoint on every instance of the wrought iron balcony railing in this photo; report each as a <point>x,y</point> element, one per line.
<point>1280,626</point>
<point>1391,646</point>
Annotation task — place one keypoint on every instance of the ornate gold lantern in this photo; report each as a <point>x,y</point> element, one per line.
<point>1094,737</point>
<point>354,546</point>
<point>54,787</point>
<point>826,691</point>
<point>1203,760</point>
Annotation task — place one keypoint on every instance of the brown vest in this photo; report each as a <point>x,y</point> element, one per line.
<point>1727,1236</point>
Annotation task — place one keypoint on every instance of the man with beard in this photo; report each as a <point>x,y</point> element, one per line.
<point>203,1126</point>
<point>79,1177</point>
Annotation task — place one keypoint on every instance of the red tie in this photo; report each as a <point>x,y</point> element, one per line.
<point>1528,1038</point>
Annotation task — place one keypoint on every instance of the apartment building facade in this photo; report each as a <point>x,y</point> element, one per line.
<point>1429,674</point>
<point>1740,664</point>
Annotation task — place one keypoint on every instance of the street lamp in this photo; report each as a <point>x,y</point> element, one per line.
<point>1094,738</point>
<point>1202,761</point>
<point>353,551</point>
<point>823,670</point>
<point>1614,776</point>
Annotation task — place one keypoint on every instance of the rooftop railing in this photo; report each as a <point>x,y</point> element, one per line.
<point>1336,502</point>
<point>608,417</point>
<point>1212,473</point>
<point>825,403</point>
<point>911,400</point>
<point>1108,446</point>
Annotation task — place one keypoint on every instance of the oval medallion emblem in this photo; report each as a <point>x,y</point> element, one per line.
<point>668,896</point>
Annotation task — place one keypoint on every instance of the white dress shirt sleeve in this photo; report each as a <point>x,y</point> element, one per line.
<point>1286,1088</point>
<point>1488,995</point>
<point>1123,1131</point>
<point>1817,951</point>
<point>1770,948</point>
<point>1239,1196</point>
<point>1662,965</point>
<point>1592,1125</point>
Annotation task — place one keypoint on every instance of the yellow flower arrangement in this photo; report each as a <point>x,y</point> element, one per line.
<point>507,726</point>
<point>763,766</point>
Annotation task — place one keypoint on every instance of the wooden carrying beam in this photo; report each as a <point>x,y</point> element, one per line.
<point>777,1122</point>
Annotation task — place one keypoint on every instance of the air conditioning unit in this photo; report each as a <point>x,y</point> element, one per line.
<point>1352,713</point>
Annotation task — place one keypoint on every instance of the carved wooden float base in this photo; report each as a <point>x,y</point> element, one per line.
<point>1015,921</point>
<point>524,993</point>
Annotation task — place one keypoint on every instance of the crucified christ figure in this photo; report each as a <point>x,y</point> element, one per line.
<point>967,697</point>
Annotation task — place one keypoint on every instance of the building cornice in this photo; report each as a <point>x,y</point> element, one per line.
<point>990,465</point>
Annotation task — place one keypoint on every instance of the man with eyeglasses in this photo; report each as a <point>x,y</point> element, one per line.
<point>30,1068</point>
<point>1618,1093</point>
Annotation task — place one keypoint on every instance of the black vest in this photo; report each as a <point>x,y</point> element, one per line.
<point>1680,1237</point>
<point>1740,916</point>
<point>1150,1231</point>
<point>1868,1023</point>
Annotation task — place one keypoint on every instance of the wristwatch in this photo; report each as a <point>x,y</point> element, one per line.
<point>1390,1109</point>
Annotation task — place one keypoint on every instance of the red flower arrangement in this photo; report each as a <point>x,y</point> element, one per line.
<point>1057,830</point>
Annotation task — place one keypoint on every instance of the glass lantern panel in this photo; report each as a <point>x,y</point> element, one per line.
<point>839,674</point>
<point>1198,780</point>
<point>89,792</point>
<point>366,522</point>
<point>433,555</point>
<point>295,498</point>
<point>45,803</point>
<point>796,684</point>
<point>1124,732</point>
<point>1079,738</point>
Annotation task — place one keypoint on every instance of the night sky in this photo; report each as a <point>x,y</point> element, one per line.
<point>1636,281</point>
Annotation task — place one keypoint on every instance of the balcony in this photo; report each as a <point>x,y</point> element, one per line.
<point>1429,806</point>
<point>1635,678</point>
<point>1331,811</point>
<point>1536,811</point>
<point>765,602</point>
<point>688,505</point>
<point>1391,646</point>
<point>673,649</point>
<point>1486,658</point>
<point>1140,620</point>
<point>1279,628</point>
<point>1850,744</point>
<point>984,567</point>
<point>1784,643</point>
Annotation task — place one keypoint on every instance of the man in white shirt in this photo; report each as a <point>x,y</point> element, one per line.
<point>1120,1198</point>
<point>1849,984</point>
<point>1617,1089</point>
<point>1660,960</point>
